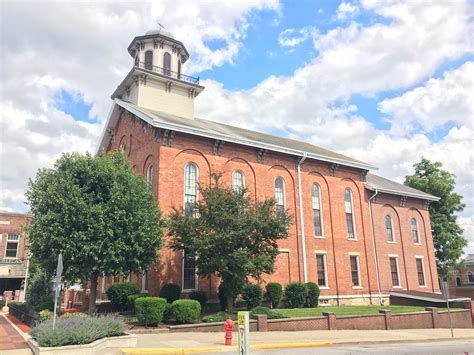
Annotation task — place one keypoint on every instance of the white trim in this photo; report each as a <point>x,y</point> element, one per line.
<point>12,241</point>
<point>393,229</point>
<point>243,178</point>
<point>418,234</point>
<point>402,193</point>
<point>359,276</point>
<point>353,253</point>
<point>145,278</point>
<point>284,190</point>
<point>394,256</point>
<point>322,236</point>
<point>354,228</point>
<point>325,261</point>
<point>196,283</point>
<point>184,185</point>
<point>424,272</point>
<point>241,141</point>
<point>284,250</point>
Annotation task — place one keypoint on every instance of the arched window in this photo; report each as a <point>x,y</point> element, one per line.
<point>149,176</point>
<point>348,207</point>
<point>458,281</point>
<point>179,69</point>
<point>166,64</point>
<point>149,60</point>
<point>317,218</point>
<point>280,194</point>
<point>389,228</point>
<point>145,281</point>
<point>137,61</point>
<point>238,181</point>
<point>470,277</point>
<point>190,188</point>
<point>414,231</point>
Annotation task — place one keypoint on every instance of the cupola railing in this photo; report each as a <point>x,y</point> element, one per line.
<point>168,72</point>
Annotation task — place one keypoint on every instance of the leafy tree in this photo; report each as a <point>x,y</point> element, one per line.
<point>39,291</point>
<point>230,234</point>
<point>98,214</point>
<point>447,234</point>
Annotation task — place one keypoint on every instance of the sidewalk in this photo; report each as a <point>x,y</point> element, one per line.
<point>205,342</point>
<point>11,340</point>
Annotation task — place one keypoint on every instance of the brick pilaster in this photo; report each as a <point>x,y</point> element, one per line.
<point>262,323</point>
<point>331,317</point>
<point>434,316</point>
<point>388,318</point>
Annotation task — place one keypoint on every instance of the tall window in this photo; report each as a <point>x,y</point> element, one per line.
<point>280,194</point>
<point>348,206</point>
<point>414,231</point>
<point>238,180</point>
<point>458,281</point>
<point>420,272</point>
<point>145,281</point>
<point>470,277</point>
<point>355,270</point>
<point>149,60</point>
<point>190,188</point>
<point>149,176</point>
<point>316,201</point>
<point>389,228</point>
<point>189,271</point>
<point>321,269</point>
<point>137,61</point>
<point>166,64</point>
<point>12,246</point>
<point>179,69</point>
<point>394,271</point>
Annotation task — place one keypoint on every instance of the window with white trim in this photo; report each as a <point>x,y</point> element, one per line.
<point>280,194</point>
<point>348,208</point>
<point>190,188</point>
<point>11,250</point>
<point>145,281</point>
<point>420,271</point>
<point>189,271</point>
<point>238,180</point>
<point>321,269</point>
<point>317,217</point>
<point>166,63</point>
<point>389,228</point>
<point>470,277</point>
<point>394,271</point>
<point>149,60</point>
<point>149,176</point>
<point>355,274</point>
<point>414,231</point>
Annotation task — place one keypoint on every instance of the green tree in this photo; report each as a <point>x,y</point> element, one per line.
<point>447,234</point>
<point>230,234</point>
<point>98,214</point>
<point>39,291</point>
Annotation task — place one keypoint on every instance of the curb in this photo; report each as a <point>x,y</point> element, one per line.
<point>150,351</point>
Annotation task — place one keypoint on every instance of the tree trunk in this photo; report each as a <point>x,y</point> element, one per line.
<point>230,304</point>
<point>93,295</point>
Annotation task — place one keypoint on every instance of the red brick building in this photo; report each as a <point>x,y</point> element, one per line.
<point>13,253</point>
<point>463,283</point>
<point>356,234</point>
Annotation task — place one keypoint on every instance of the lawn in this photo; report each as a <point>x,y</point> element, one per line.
<point>344,310</point>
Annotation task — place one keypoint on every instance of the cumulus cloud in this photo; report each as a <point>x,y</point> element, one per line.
<point>291,37</point>
<point>346,10</point>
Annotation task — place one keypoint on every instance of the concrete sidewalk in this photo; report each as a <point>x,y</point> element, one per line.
<point>202,342</point>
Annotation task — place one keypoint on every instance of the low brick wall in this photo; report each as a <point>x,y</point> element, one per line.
<point>431,318</point>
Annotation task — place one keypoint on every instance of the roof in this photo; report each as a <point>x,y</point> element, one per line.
<point>375,182</point>
<point>469,259</point>
<point>427,296</point>
<point>236,135</point>
<point>164,35</point>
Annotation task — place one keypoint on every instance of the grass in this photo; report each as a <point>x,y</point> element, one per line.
<point>345,310</point>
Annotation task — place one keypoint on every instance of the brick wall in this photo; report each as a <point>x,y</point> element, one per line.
<point>145,145</point>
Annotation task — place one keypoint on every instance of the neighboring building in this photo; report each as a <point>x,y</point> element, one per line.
<point>13,253</point>
<point>463,283</point>
<point>356,234</point>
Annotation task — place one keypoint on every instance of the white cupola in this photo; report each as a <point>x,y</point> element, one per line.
<point>156,81</point>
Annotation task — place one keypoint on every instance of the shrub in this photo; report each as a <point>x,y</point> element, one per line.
<point>313,295</point>
<point>274,293</point>
<point>270,313</point>
<point>222,297</point>
<point>296,293</point>
<point>253,295</point>
<point>118,294</point>
<point>185,311</point>
<point>45,314</point>
<point>133,298</point>
<point>200,296</point>
<point>76,330</point>
<point>171,292</point>
<point>74,315</point>
<point>217,317</point>
<point>39,292</point>
<point>149,310</point>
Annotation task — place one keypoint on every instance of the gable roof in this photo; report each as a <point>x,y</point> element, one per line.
<point>375,182</point>
<point>227,133</point>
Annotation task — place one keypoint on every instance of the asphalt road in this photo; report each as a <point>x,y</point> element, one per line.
<point>461,347</point>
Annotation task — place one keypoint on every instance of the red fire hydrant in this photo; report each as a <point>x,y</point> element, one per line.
<point>228,325</point>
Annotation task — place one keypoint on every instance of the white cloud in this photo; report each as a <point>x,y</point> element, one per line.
<point>346,10</point>
<point>291,37</point>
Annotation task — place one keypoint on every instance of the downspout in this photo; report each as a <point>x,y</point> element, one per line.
<point>373,243</point>
<point>300,195</point>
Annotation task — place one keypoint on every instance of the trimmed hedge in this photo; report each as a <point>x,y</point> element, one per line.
<point>133,298</point>
<point>313,295</point>
<point>253,295</point>
<point>296,293</point>
<point>274,293</point>
<point>171,292</point>
<point>200,296</point>
<point>270,313</point>
<point>185,311</point>
<point>118,294</point>
<point>150,310</point>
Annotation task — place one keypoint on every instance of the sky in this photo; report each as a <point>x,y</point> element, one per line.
<point>386,82</point>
